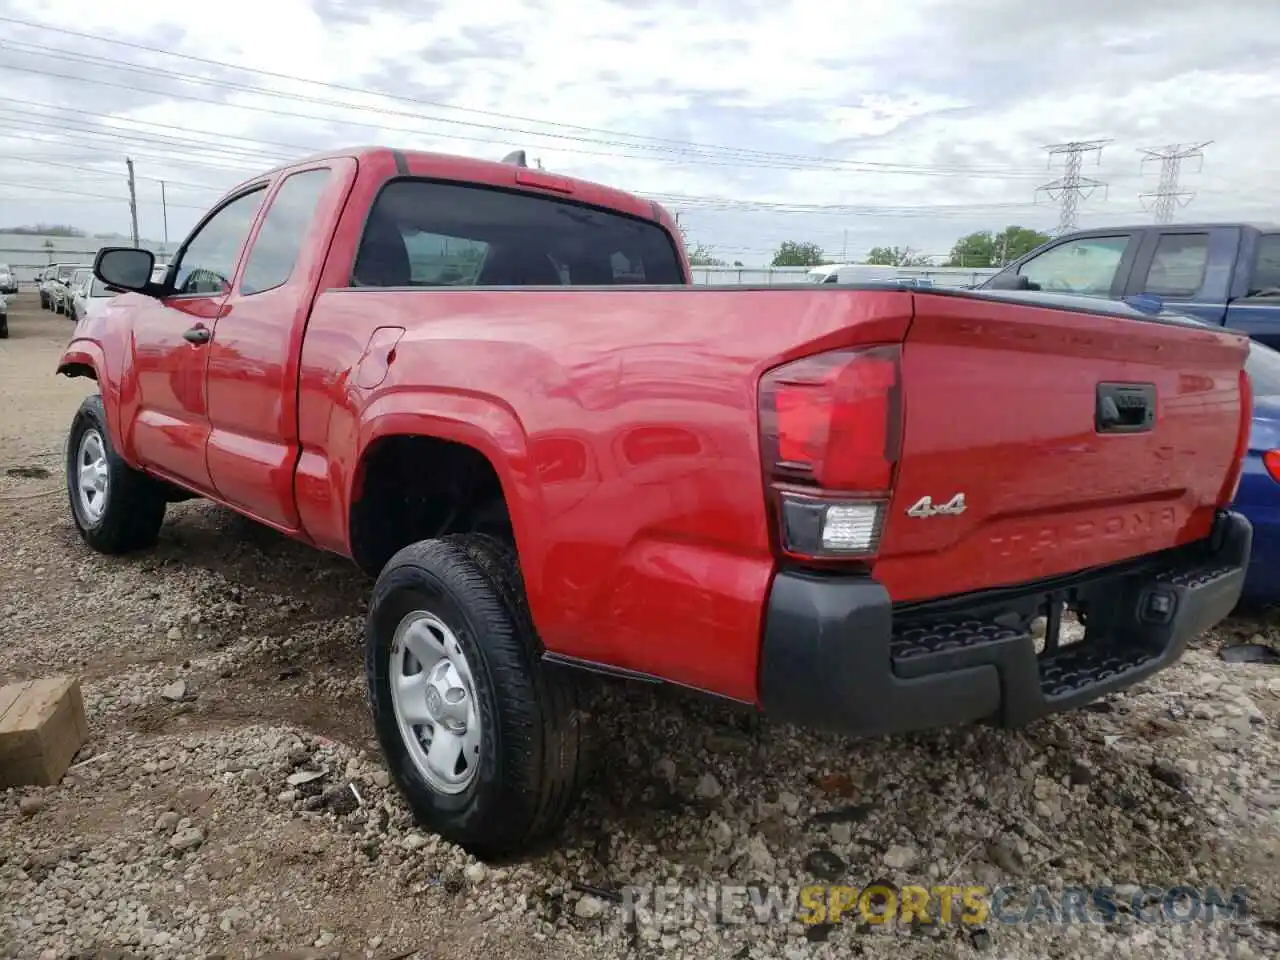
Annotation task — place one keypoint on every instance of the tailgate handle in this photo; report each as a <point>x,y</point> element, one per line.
<point>1125,408</point>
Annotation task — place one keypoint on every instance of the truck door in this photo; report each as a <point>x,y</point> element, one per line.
<point>1256,310</point>
<point>1093,264</point>
<point>1189,268</point>
<point>252,375</point>
<point>165,414</point>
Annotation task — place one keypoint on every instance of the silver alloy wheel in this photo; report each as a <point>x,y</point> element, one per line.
<point>435,702</point>
<point>92,475</point>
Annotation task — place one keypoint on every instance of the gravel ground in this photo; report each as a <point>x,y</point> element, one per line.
<point>231,803</point>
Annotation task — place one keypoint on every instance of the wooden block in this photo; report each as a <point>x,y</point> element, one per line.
<point>42,725</point>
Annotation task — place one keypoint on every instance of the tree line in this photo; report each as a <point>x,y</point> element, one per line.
<point>983,248</point>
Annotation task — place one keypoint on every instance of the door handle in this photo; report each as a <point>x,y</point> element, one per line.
<point>198,335</point>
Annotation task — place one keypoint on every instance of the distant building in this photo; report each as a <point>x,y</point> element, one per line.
<point>28,253</point>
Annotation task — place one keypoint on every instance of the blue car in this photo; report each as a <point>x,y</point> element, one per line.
<point>1259,495</point>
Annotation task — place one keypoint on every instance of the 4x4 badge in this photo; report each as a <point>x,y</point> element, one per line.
<point>924,507</point>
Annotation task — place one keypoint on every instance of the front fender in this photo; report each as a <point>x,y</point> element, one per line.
<point>86,358</point>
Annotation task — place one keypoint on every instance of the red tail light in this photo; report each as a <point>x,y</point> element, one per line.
<point>1271,460</point>
<point>833,420</point>
<point>830,434</point>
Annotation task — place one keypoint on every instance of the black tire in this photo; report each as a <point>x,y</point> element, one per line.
<point>4,328</point>
<point>533,745</point>
<point>134,504</point>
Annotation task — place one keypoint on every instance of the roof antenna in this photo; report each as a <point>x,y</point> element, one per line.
<point>517,157</point>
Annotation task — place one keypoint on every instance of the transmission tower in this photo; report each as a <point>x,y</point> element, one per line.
<point>1167,196</point>
<point>1071,187</point>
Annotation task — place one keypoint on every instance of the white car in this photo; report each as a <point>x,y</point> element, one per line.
<point>8,280</point>
<point>90,297</point>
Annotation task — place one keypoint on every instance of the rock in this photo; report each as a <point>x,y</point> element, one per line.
<point>1005,856</point>
<point>588,908</point>
<point>721,834</point>
<point>475,873</point>
<point>175,691</point>
<point>413,841</point>
<point>174,634</point>
<point>789,803</point>
<point>900,857</point>
<point>665,768</point>
<point>841,833</point>
<point>381,779</point>
<point>299,777</point>
<point>339,800</point>
<point>758,854</point>
<point>1167,774</point>
<point>708,787</point>
<point>324,939</point>
<point>30,806</point>
<point>187,839</point>
<point>167,822</point>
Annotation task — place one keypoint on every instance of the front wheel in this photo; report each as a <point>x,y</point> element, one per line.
<point>115,507</point>
<point>484,740</point>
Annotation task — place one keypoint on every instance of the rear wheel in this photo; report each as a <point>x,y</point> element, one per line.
<point>4,327</point>
<point>115,507</point>
<point>484,740</point>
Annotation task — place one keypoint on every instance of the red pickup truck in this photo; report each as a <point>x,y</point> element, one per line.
<point>495,389</point>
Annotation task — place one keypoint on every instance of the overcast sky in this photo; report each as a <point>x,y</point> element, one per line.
<point>850,123</point>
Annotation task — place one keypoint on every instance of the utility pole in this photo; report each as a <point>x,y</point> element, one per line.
<point>164,210</point>
<point>133,201</point>
<point>1071,187</point>
<point>1167,196</point>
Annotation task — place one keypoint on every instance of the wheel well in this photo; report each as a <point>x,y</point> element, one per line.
<point>411,488</point>
<point>78,370</point>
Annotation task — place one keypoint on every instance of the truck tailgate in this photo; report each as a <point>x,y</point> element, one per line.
<point>1001,407</point>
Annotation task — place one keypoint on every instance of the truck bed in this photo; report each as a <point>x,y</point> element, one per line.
<point>624,424</point>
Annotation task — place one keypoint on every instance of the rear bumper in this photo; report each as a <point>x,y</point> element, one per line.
<point>838,656</point>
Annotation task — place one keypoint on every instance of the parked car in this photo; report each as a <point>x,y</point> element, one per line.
<point>43,281</point>
<point>90,297</point>
<point>8,280</point>
<point>445,370</point>
<point>55,293</point>
<point>80,278</point>
<point>4,318</point>
<point>1225,273</point>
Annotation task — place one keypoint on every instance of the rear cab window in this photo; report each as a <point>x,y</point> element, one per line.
<point>427,233</point>
<point>1178,265</point>
<point>1265,281</point>
<point>1087,266</point>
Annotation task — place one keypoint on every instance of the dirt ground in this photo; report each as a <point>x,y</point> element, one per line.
<point>231,802</point>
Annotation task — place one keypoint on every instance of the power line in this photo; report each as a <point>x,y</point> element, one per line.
<point>60,191</point>
<point>740,156</point>
<point>1071,187</point>
<point>1167,196</point>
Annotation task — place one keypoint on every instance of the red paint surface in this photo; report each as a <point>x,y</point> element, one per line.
<point>623,425</point>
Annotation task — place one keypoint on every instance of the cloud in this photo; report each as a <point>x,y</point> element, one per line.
<point>852,124</point>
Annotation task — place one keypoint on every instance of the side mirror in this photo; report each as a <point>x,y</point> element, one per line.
<point>125,267</point>
<point>1010,281</point>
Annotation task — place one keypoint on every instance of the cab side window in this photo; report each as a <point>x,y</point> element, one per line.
<point>208,262</point>
<point>1085,266</point>
<point>287,223</point>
